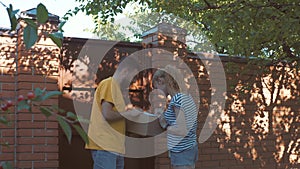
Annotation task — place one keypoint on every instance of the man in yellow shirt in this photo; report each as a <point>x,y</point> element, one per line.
<point>107,125</point>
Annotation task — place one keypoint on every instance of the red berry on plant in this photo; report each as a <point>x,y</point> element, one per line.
<point>20,97</point>
<point>4,107</point>
<point>30,95</point>
<point>9,103</point>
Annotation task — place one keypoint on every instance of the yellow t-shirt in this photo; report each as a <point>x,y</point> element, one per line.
<point>104,135</point>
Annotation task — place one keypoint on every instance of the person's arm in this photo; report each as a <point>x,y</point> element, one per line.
<point>110,115</point>
<point>179,128</point>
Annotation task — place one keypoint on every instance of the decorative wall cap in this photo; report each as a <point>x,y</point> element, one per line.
<point>165,29</point>
<point>31,13</point>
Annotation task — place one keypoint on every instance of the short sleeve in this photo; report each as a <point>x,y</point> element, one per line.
<point>176,100</point>
<point>110,92</point>
<point>103,92</point>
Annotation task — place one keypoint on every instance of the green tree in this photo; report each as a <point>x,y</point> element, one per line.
<point>108,31</point>
<point>236,27</point>
<point>140,19</point>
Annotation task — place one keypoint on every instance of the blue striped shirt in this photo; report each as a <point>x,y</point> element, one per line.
<point>187,105</point>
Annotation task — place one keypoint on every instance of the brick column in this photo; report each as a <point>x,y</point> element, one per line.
<point>37,137</point>
<point>7,92</point>
<point>168,37</point>
<point>169,41</point>
<point>32,138</point>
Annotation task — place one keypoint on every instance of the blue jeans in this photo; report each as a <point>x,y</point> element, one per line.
<point>185,159</point>
<point>107,160</point>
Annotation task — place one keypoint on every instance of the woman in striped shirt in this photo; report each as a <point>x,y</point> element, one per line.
<point>180,117</point>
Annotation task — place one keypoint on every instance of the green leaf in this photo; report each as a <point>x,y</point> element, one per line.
<point>58,34</point>
<point>57,37</point>
<point>51,94</point>
<point>3,120</point>
<point>23,105</point>
<point>60,25</point>
<point>30,36</point>
<point>39,92</point>
<point>30,22</point>
<point>7,165</point>
<point>82,133</point>
<point>47,112</point>
<point>12,17</point>
<point>66,127</point>
<point>57,109</point>
<point>82,120</point>
<point>42,13</point>
<point>71,115</point>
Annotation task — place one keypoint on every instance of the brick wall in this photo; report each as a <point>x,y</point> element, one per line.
<point>250,133</point>
<point>240,139</point>
<point>243,137</point>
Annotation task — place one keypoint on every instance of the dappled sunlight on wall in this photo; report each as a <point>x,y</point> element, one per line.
<point>40,60</point>
<point>293,148</point>
<point>7,54</point>
<point>43,57</point>
<point>83,67</point>
<point>284,124</point>
<point>262,120</point>
<point>260,124</point>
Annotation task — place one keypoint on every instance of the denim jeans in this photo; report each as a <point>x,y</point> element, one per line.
<point>107,160</point>
<point>185,159</point>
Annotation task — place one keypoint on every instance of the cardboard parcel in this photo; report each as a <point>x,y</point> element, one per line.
<point>146,124</point>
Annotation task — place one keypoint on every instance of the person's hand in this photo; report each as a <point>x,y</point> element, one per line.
<point>134,112</point>
<point>162,121</point>
<point>158,111</point>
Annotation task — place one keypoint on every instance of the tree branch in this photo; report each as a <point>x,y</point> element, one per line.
<point>231,5</point>
<point>207,3</point>
<point>287,50</point>
<point>3,4</point>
